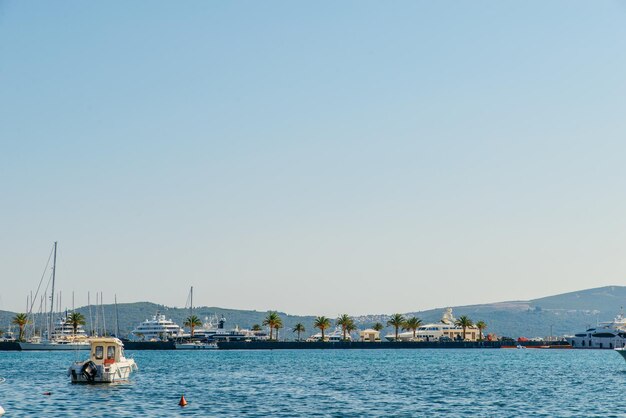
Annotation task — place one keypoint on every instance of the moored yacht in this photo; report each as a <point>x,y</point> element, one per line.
<point>605,335</point>
<point>158,329</point>
<point>331,337</point>
<point>446,329</point>
<point>62,338</point>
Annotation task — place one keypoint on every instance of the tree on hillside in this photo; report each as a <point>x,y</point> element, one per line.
<point>256,327</point>
<point>378,326</point>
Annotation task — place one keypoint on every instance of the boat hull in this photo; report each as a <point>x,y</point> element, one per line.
<point>148,345</point>
<point>622,352</point>
<point>194,346</point>
<point>53,346</point>
<point>111,374</point>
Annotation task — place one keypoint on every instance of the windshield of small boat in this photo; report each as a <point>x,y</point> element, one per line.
<point>111,352</point>
<point>99,352</point>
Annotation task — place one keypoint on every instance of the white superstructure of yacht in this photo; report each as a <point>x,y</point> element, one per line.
<point>158,329</point>
<point>445,329</point>
<point>214,330</point>
<point>605,335</point>
<point>331,337</point>
<point>62,338</point>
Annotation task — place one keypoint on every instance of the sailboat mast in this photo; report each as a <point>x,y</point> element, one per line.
<point>54,269</point>
<point>117,320</point>
<point>90,318</point>
<point>191,303</point>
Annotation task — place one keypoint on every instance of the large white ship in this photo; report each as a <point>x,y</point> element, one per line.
<point>605,335</point>
<point>158,329</point>
<point>62,338</point>
<point>446,329</point>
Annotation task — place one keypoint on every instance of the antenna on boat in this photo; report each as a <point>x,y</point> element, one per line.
<point>54,269</point>
<point>104,324</point>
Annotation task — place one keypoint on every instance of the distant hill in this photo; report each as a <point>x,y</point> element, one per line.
<point>566,313</point>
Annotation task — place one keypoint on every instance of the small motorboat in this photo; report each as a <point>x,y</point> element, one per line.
<point>106,364</point>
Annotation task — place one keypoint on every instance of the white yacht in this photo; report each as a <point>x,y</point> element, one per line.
<point>331,337</point>
<point>62,338</point>
<point>605,335</point>
<point>195,345</point>
<point>158,329</point>
<point>106,364</point>
<point>443,330</point>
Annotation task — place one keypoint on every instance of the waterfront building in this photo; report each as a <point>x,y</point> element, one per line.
<point>369,335</point>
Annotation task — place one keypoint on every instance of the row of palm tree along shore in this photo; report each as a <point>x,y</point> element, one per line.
<point>75,319</point>
<point>347,324</point>
<point>274,322</point>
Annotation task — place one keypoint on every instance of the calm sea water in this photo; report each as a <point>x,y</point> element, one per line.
<point>342,383</point>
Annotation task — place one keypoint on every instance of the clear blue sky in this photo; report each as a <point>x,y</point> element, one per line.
<point>317,158</point>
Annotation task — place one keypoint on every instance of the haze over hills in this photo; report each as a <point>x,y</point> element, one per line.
<point>565,313</point>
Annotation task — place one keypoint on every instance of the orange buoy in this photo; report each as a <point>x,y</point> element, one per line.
<point>47,393</point>
<point>182,401</point>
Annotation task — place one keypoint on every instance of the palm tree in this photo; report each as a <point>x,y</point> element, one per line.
<point>21,320</point>
<point>351,327</point>
<point>396,320</point>
<point>299,327</point>
<point>270,320</point>
<point>277,326</point>
<point>322,323</point>
<point>344,321</point>
<point>75,319</point>
<point>412,323</point>
<point>192,322</point>
<point>481,325</point>
<point>256,327</point>
<point>464,322</point>
<point>378,326</point>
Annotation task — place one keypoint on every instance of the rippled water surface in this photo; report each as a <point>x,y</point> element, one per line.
<point>338,383</point>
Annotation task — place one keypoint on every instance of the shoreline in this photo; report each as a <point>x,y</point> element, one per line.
<point>365,345</point>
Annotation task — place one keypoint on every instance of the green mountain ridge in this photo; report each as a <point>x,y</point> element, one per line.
<point>562,314</point>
